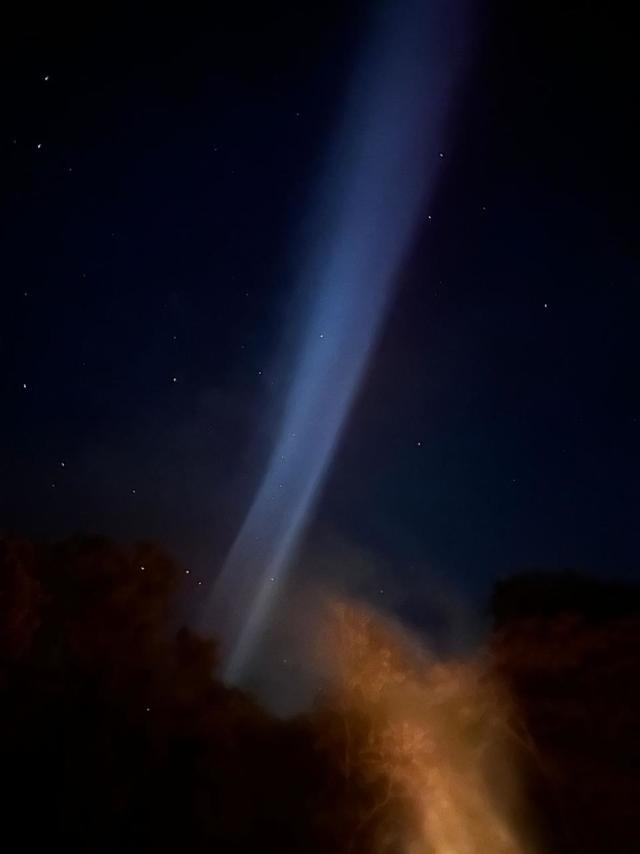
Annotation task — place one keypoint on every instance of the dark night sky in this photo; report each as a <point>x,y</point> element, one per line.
<point>154,171</point>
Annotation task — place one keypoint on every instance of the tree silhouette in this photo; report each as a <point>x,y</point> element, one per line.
<point>114,730</point>
<point>568,645</point>
<point>116,733</point>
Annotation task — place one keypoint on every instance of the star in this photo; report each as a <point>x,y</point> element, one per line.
<point>24,386</point>
<point>46,78</point>
<point>39,145</point>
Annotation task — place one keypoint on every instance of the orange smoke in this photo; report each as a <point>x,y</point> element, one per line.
<point>440,734</point>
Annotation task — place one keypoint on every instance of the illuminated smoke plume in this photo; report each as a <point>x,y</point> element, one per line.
<point>440,737</point>
<point>381,169</point>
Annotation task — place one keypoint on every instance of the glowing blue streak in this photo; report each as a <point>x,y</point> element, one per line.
<point>394,117</point>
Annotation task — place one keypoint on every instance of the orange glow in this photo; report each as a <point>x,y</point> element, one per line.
<point>440,733</point>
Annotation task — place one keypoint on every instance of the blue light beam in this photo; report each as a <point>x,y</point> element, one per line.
<point>381,170</point>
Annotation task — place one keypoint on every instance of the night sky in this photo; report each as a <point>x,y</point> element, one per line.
<point>155,171</point>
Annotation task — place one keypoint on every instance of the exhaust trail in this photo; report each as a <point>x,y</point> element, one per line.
<point>381,169</point>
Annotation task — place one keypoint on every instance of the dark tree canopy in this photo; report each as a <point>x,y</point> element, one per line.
<point>116,734</point>
<point>568,646</point>
<point>539,593</point>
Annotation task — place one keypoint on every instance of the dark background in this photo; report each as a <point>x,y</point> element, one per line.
<point>151,187</point>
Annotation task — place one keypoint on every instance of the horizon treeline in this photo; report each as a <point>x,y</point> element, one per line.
<point>116,731</point>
